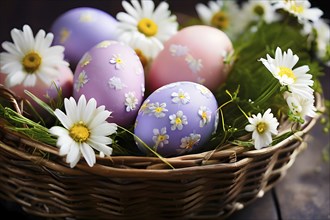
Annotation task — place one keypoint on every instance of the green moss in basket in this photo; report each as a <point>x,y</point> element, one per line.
<point>26,126</point>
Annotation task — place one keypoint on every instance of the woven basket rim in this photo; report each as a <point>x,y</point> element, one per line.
<point>193,162</point>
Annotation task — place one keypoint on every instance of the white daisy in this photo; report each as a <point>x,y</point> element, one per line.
<point>180,97</point>
<point>146,24</point>
<point>116,83</point>
<point>30,59</point>
<point>222,14</point>
<point>322,40</point>
<point>85,128</point>
<point>263,127</point>
<point>301,9</point>
<point>297,80</point>
<point>81,81</point>
<point>130,101</point>
<point>160,137</point>
<point>299,106</point>
<point>158,109</point>
<point>205,114</point>
<point>178,120</point>
<point>117,61</point>
<point>256,10</point>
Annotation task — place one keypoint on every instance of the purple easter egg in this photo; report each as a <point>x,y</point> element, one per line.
<point>79,29</point>
<point>112,73</point>
<point>177,119</point>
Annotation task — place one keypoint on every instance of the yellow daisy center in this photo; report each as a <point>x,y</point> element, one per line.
<point>142,57</point>
<point>182,96</point>
<point>159,109</point>
<point>79,132</point>
<point>204,115</point>
<point>147,27</point>
<point>297,8</point>
<point>178,121</point>
<point>261,127</point>
<point>31,62</point>
<point>119,60</point>
<point>259,10</point>
<point>220,20</point>
<point>161,138</point>
<point>287,72</point>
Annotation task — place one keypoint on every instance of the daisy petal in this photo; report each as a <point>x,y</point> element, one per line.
<point>88,154</point>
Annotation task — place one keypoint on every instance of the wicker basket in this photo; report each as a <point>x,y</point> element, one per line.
<point>131,187</point>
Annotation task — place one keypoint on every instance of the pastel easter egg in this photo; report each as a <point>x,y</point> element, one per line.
<point>196,53</point>
<point>43,91</point>
<point>112,73</point>
<point>81,28</point>
<point>176,119</point>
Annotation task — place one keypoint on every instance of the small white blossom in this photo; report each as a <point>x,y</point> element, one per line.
<point>158,109</point>
<point>178,50</point>
<point>145,107</point>
<point>117,61</point>
<point>180,97</point>
<point>188,142</point>
<point>262,128</point>
<point>205,114</point>
<point>161,137</point>
<point>178,120</point>
<point>130,101</point>
<point>195,65</point>
<point>81,81</point>
<point>116,83</point>
<point>300,106</point>
<point>85,128</point>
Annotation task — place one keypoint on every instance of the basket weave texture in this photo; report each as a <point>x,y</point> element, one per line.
<point>33,175</point>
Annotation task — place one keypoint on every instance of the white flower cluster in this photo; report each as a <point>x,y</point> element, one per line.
<point>233,19</point>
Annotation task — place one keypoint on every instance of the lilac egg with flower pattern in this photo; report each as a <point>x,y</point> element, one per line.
<point>112,73</point>
<point>81,28</point>
<point>176,119</point>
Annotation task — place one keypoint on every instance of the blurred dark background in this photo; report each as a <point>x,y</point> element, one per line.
<point>40,14</point>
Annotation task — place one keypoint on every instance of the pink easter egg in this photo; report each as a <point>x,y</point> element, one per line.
<point>43,91</point>
<point>196,53</point>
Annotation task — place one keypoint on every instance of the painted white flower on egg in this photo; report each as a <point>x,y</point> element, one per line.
<point>117,61</point>
<point>116,83</point>
<point>178,120</point>
<point>158,109</point>
<point>131,101</point>
<point>178,50</point>
<point>81,81</point>
<point>160,137</point>
<point>180,97</point>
